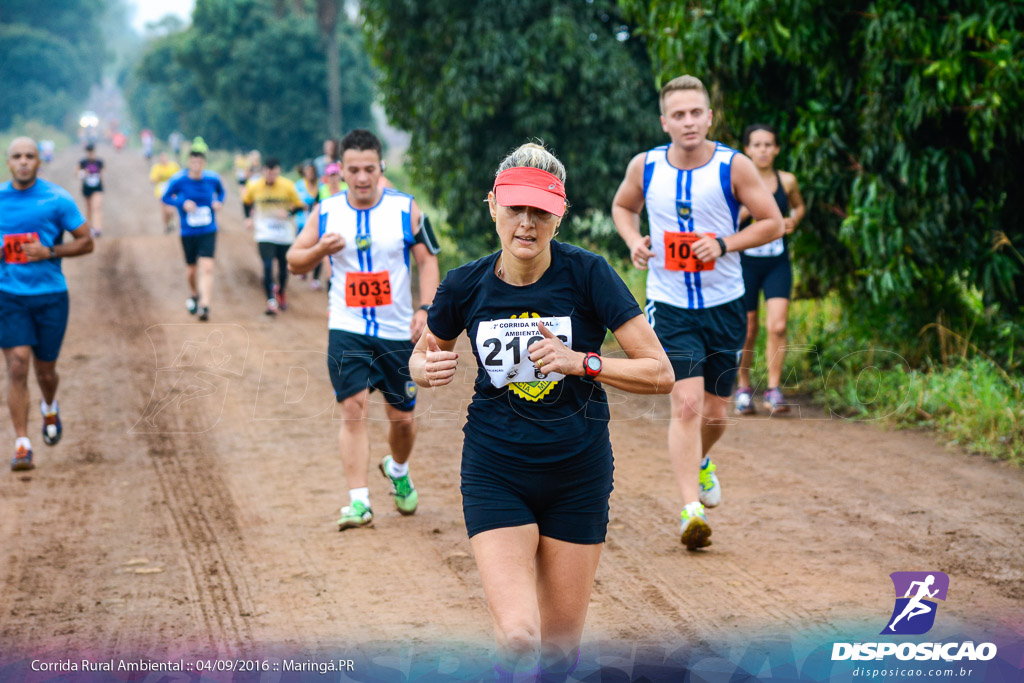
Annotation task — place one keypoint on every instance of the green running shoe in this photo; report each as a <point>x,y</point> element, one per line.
<point>710,489</point>
<point>694,531</point>
<point>355,515</point>
<point>406,498</point>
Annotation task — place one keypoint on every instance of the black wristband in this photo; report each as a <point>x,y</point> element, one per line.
<point>425,307</point>
<point>721,243</point>
<point>53,252</point>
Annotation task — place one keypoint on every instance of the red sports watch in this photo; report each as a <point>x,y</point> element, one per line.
<point>592,365</point>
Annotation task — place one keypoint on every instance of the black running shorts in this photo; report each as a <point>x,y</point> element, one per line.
<point>566,499</point>
<point>703,342</point>
<point>358,361</point>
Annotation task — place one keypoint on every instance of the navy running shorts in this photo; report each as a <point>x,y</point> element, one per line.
<point>566,499</point>
<point>198,246</point>
<point>702,342</point>
<point>358,361</point>
<point>773,275</point>
<point>36,320</point>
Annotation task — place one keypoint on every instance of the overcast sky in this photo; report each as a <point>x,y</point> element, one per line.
<point>151,10</point>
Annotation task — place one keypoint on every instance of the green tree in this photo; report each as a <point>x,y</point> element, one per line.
<point>50,56</point>
<point>264,75</point>
<point>903,121</point>
<point>471,81</point>
<point>164,96</point>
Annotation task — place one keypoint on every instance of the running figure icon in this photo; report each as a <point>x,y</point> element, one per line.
<point>916,606</point>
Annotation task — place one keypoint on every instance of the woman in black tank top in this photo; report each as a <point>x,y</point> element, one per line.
<point>767,268</point>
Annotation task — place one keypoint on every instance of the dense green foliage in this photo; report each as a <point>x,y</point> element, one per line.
<point>472,81</point>
<point>49,58</point>
<point>244,75</point>
<point>905,125</point>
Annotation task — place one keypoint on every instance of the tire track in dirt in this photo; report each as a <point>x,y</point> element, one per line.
<point>197,500</point>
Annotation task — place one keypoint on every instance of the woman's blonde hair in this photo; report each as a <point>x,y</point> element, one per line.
<point>533,155</point>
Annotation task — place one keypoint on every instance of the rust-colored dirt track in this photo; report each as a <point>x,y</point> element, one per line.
<point>191,504</point>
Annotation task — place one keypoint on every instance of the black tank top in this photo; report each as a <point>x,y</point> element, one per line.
<point>780,196</point>
<point>783,201</point>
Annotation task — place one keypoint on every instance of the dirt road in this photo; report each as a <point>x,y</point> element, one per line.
<point>190,507</point>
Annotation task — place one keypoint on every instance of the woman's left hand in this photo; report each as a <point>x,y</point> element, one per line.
<point>551,355</point>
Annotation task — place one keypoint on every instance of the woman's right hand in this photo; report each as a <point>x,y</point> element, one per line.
<point>440,366</point>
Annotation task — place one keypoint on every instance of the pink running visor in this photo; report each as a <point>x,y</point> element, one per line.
<point>526,186</point>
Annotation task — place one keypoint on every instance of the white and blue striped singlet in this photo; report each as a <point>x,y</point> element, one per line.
<point>692,200</point>
<point>376,239</point>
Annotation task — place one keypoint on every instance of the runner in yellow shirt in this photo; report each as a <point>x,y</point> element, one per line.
<point>159,174</point>
<point>270,202</point>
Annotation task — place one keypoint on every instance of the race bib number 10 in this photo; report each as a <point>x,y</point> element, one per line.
<point>678,256</point>
<point>14,252</point>
<point>503,344</point>
<point>363,290</point>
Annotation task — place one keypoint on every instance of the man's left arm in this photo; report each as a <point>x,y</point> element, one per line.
<point>430,276</point>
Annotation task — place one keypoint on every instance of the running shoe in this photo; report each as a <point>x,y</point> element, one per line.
<point>355,515</point>
<point>52,429</point>
<point>271,307</point>
<point>204,313</point>
<point>406,497</point>
<point>282,303</point>
<point>710,489</point>
<point>775,402</point>
<point>22,460</point>
<point>192,303</point>
<point>97,233</point>
<point>744,399</point>
<point>315,285</point>
<point>694,530</point>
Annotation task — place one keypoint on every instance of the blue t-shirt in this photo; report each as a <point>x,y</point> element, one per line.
<point>533,420</point>
<point>206,190</point>
<point>47,210</point>
<point>308,199</point>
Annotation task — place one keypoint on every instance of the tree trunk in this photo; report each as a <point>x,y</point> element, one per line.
<point>327,12</point>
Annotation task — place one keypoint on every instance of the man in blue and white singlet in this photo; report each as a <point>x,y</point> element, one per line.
<point>693,188</point>
<point>34,215</point>
<point>371,233</point>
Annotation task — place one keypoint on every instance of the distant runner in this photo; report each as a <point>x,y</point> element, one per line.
<point>768,268</point>
<point>160,174</point>
<point>197,194</point>
<point>90,172</point>
<point>269,202</point>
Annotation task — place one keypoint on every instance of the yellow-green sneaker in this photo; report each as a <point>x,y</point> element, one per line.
<point>710,489</point>
<point>358,514</point>
<point>404,493</point>
<point>694,531</point>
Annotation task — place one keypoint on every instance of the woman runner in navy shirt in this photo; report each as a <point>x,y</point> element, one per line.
<point>537,459</point>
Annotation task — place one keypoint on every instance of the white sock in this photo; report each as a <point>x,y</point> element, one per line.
<point>22,441</point>
<point>47,408</point>
<point>396,470</point>
<point>360,494</point>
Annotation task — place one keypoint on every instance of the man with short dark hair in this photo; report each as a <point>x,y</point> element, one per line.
<point>369,232</point>
<point>270,201</point>
<point>197,193</point>
<point>34,215</point>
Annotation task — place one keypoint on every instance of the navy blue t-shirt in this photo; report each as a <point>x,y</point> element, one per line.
<point>534,420</point>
